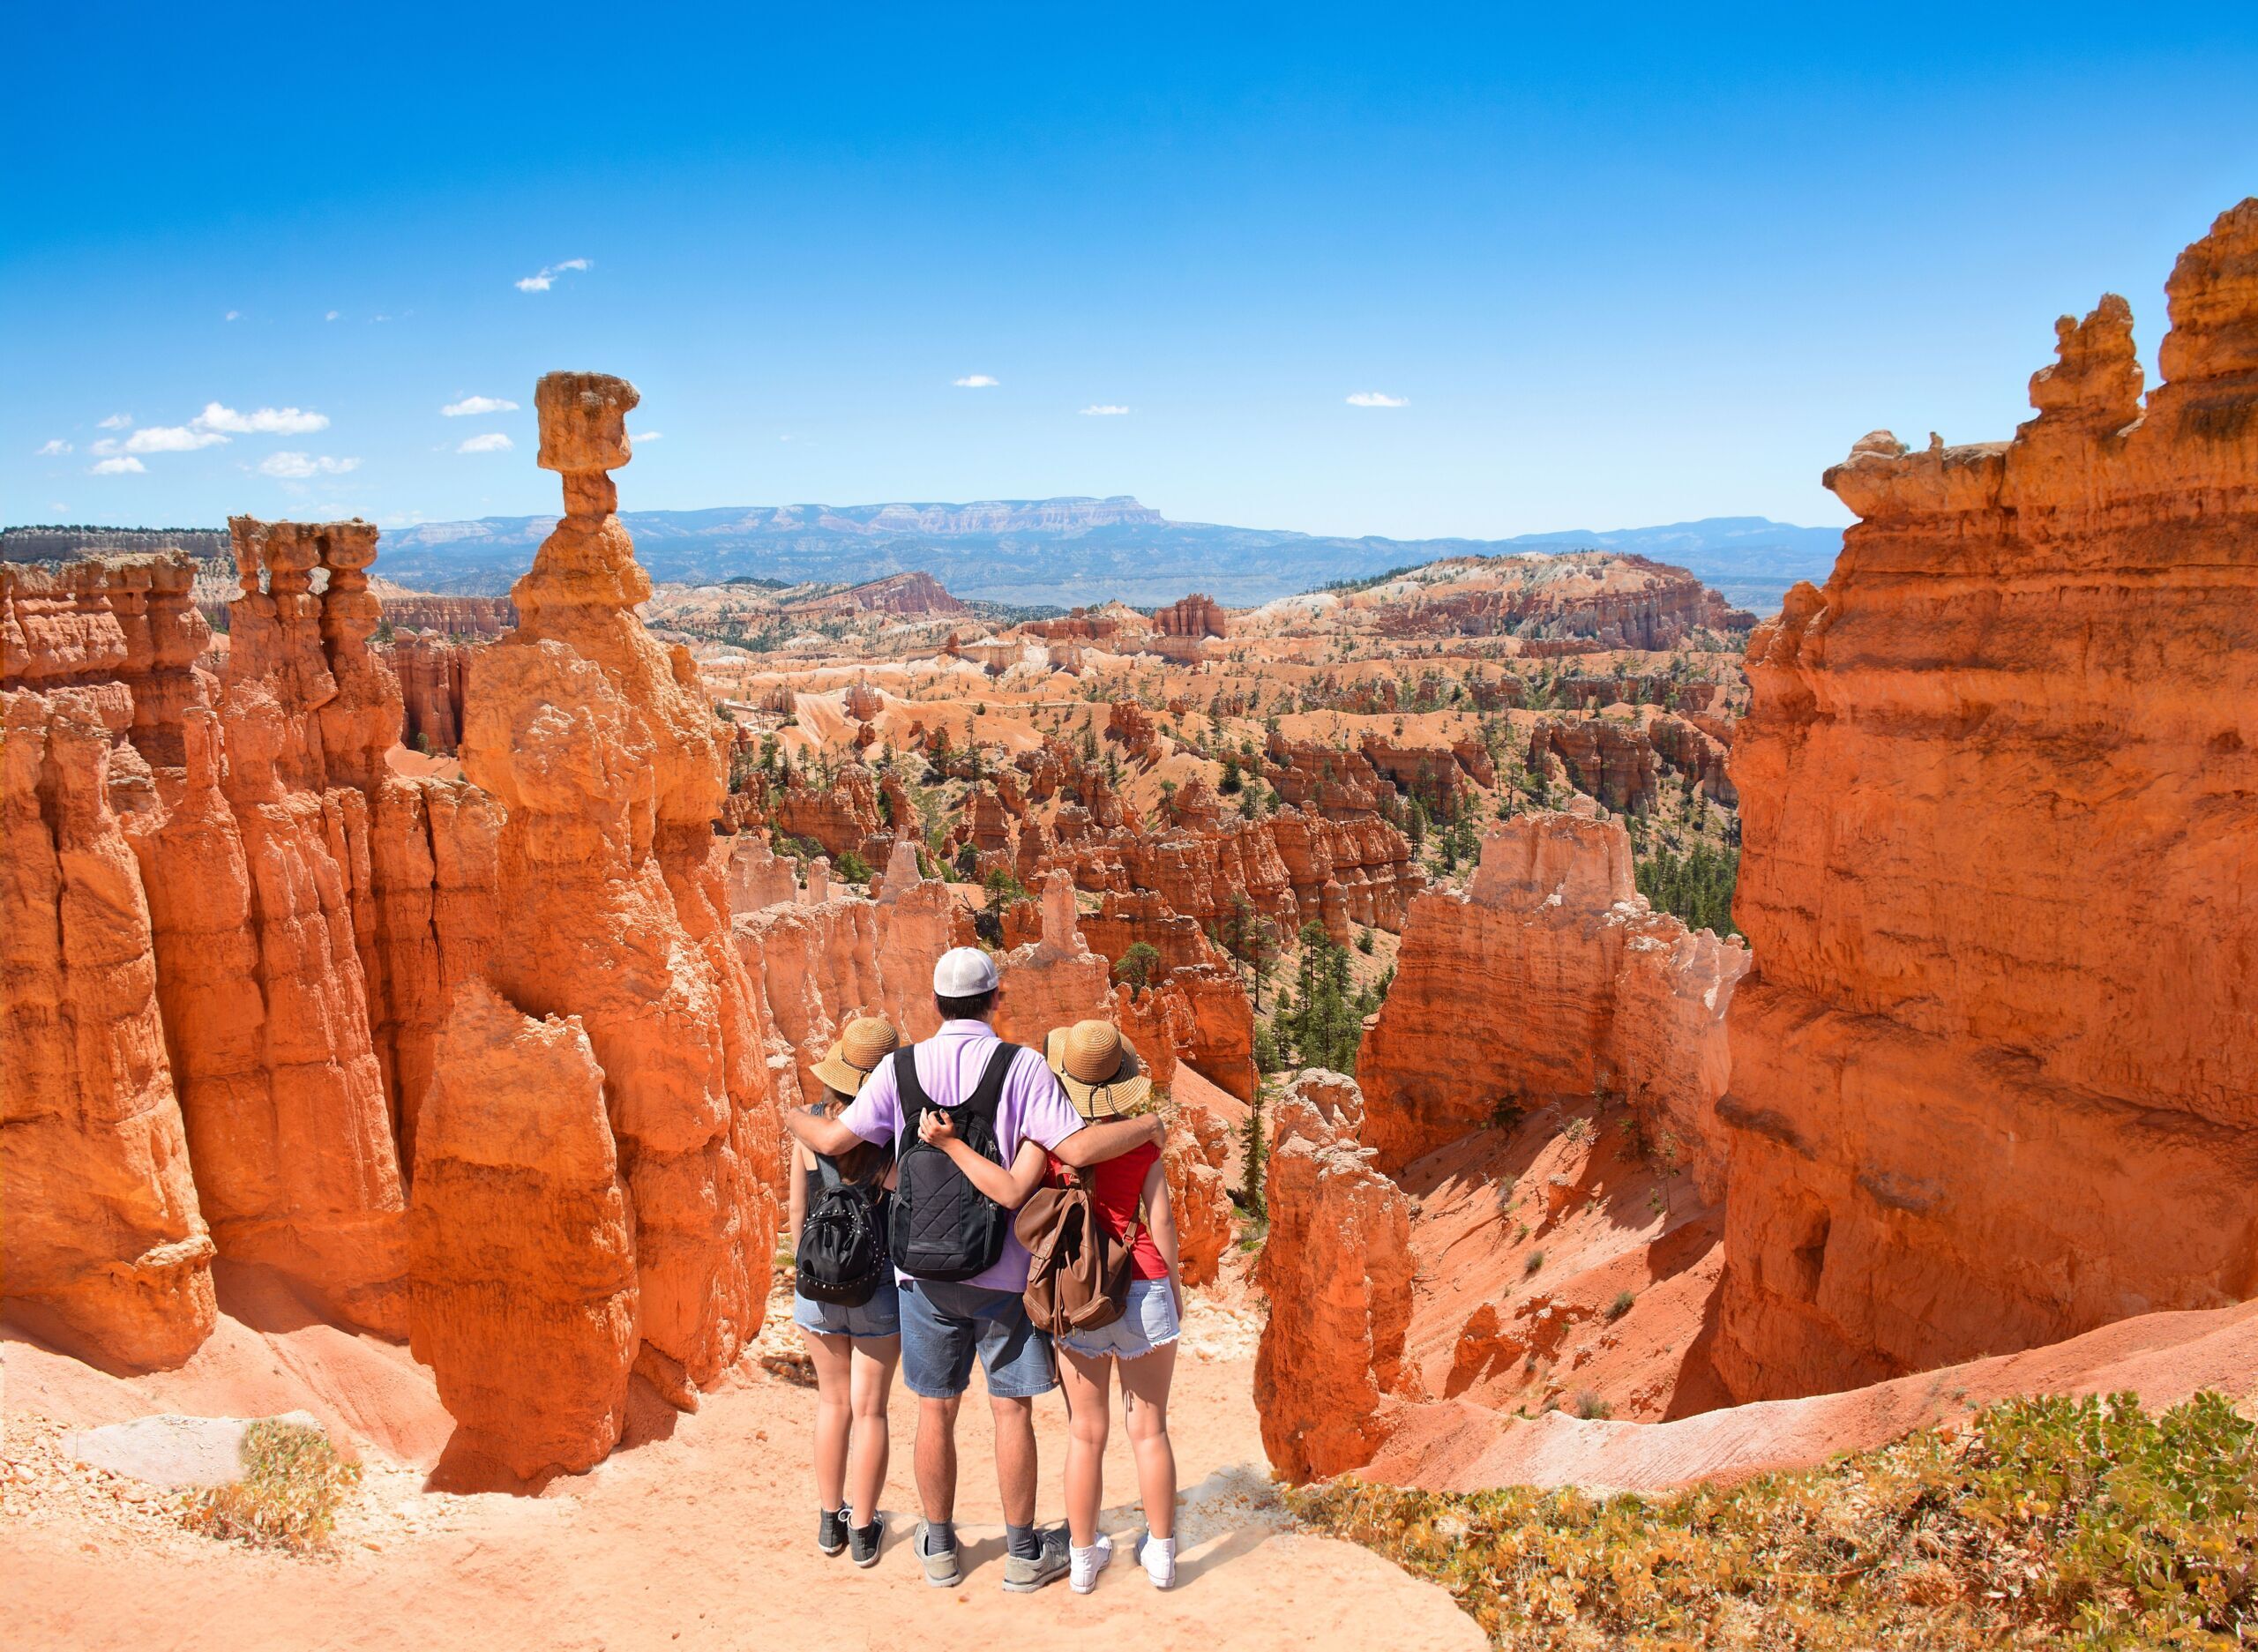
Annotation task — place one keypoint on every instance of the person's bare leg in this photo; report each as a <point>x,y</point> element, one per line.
<point>1015,1466</point>
<point>937,1457</point>
<point>830,1356</point>
<point>1144,1403</point>
<point>872,1381</point>
<point>1088,1382</point>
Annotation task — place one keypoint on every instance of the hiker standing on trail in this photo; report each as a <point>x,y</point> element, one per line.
<point>844,1299</point>
<point>1135,1329</point>
<point>960,1268</point>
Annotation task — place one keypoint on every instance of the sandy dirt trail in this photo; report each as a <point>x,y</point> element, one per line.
<point>700,1538</point>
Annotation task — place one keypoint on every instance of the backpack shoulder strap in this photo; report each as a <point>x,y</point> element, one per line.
<point>911,1094</point>
<point>988,1095</point>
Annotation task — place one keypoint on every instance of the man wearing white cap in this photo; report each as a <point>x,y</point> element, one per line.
<point>945,1322</point>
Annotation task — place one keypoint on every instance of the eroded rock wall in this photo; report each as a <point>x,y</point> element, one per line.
<point>525,1301</point>
<point>1338,1270</point>
<point>1996,1083</point>
<point>1550,977</point>
<point>104,1247</point>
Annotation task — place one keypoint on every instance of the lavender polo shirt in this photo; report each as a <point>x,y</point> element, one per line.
<point>949,1066</point>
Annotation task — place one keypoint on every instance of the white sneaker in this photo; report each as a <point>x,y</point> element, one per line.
<point>1159,1556</point>
<point>1087,1563</point>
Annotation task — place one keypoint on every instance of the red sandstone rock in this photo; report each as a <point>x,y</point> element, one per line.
<point>1337,1268</point>
<point>433,672</point>
<point>450,616</point>
<point>1057,980</point>
<point>841,816</point>
<point>1993,1085</point>
<point>104,1247</point>
<point>1194,615</point>
<point>525,1299</point>
<point>108,619</point>
<point>613,891</point>
<point>1549,978</point>
<point>1611,761</point>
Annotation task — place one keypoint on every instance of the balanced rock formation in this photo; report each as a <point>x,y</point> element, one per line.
<point>1550,977</point>
<point>1996,1080</point>
<point>614,901</point>
<point>524,1300</point>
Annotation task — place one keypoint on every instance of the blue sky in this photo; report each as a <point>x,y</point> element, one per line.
<point>1617,269</point>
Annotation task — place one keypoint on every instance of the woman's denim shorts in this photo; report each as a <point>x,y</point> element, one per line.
<point>1149,1322</point>
<point>880,1316</point>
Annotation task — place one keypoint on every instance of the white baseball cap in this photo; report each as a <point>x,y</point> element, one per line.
<point>964,972</point>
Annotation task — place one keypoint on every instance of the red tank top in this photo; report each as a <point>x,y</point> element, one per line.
<point>1117,1187</point>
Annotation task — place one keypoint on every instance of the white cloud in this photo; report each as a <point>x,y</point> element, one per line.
<point>1104,410</point>
<point>170,438</point>
<point>547,279</point>
<point>975,381</point>
<point>492,442</point>
<point>648,436</point>
<point>117,422</point>
<point>470,407</point>
<point>234,315</point>
<point>332,316</point>
<point>55,449</point>
<point>1375,398</point>
<point>265,421</point>
<point>117,468</point>
<point>297,466</point>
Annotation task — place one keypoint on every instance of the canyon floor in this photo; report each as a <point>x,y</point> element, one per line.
<point>696,1535</point>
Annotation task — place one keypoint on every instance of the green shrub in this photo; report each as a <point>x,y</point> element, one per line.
<point>2048,1522</point>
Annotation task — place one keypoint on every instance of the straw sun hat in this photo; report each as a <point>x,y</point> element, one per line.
<point>866,1041</point>
<point>1098,1068</point>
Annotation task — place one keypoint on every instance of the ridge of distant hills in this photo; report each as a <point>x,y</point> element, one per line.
<point>1065,551</point>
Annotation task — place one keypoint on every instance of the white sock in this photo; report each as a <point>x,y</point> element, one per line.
<point>1086,1563</point>
<point>1159,1556</point>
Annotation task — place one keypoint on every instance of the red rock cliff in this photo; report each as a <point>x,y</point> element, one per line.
<point>1550,977</point>
<point>1996,1083</point>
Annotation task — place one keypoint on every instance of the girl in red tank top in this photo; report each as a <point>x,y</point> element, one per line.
<point>1118,1186</point>
<point>1098,1070</point>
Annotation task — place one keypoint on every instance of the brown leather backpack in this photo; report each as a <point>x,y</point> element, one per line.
<point>1077,1274</point>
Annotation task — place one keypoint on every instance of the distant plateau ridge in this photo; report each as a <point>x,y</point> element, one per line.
<point>1065,551</point>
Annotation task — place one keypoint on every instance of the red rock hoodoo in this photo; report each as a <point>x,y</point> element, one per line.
<point>1995,1081</point>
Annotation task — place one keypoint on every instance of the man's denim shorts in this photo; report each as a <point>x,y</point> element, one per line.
<point>880,1316</point>
<point>1147,1322</point>
<point>943,1325</point>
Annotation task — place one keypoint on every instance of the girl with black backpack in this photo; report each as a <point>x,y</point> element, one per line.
<point>844,1300</point>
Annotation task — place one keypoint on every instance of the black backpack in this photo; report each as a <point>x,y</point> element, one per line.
<point>841,1256</point>
<point>944,1229</point>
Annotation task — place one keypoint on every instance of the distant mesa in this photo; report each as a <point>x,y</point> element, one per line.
<point>1065,553</point>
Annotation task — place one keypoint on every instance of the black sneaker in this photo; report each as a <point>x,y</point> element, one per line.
<point>866,1540</point>
<point>831,1529</point>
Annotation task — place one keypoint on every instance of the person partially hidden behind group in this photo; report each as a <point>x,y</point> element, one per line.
<point>960,1269</point>
<point>1099,1071</point>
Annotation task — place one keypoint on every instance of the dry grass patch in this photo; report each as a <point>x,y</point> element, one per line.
<point>292,1486</point>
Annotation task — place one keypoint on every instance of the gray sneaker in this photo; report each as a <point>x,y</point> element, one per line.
<point>942,1568</point>
<point>1051,1563</point>
<point>865,1540</point>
